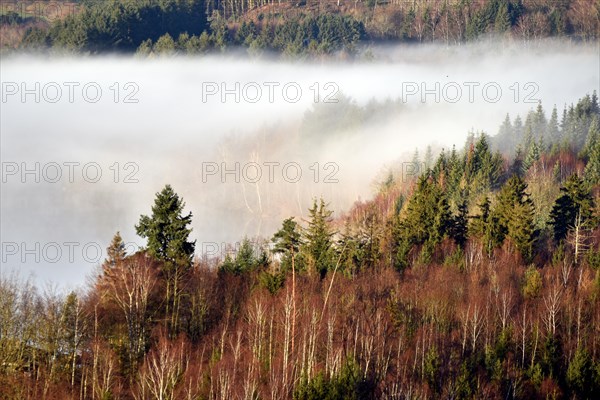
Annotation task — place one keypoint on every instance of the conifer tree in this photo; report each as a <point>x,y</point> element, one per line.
<point>459,227</point>
<point>287,242</point>
<point>167,229</point>
<point>515,212</point>
<point>115,253</point>
<point>575,201</point>
<point>167,232</point>
<point>486,225</point>
<point>318,238</point>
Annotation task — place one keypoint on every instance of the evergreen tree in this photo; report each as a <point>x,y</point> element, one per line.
<point>318,238</point>
<point>349,251</point>
<point>164,45</point>
<point>167,229</point>
<point>426,221</point>
<point>552,130</point>
<point>515,212</point>
<point>115,253</point>
<point>517,130</point>
<point>533,156</point>
<point>459,226</point>
<point>167,232</point>
<point>504,139</point>
<point>502,21</point>
<point>287,242</point>
<point>369,240</point>
<point>575,200</point>
<point>592,169</point>
<point>428,158</point>
<point>580,375</point>
<point>486,225</point>
<point>416,165</point>
<point>517,167</point>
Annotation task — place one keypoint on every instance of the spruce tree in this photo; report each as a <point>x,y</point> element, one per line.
<point>575,200</point>
<point>318,238</point>
<point>458,230</point>
<point>167,229</point>
<point>115,253</point>
<point>167,232</point>
<point>287,242</point>
<point>515,212</point>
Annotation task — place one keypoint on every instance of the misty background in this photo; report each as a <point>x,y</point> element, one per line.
<point>172,133</point>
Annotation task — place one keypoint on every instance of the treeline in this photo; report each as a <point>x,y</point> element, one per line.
<point>109,26</point>
<point>305,27</point>
<point>303,34</point>
<point>476,276</point>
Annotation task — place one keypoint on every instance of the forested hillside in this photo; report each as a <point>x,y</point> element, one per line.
<point>477,275</point>
<point>288,27</point>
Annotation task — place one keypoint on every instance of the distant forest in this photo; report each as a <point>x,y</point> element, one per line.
<point>292,28</point>
<point>478,276</point>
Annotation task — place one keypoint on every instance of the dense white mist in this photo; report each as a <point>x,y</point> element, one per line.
<point>170,132</point>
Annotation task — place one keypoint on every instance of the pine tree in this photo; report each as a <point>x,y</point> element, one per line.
<point>504,138</point>
<point>552,131</point>
<point>167,232</point>
<point>502,21</point>
<point>167,229</point>
<point>459,227</point>
<point>486,225</point>
<point>515,211</point>
<point>318,238</point>
<point>416,165</point>
<point>533,156</point>
<point>287,242</point>
<point>247,259</point>
<point>369,239</point>
<point>428,158</point>
<point>592,169</point>
<point>573,208</point>
<point>580,375</point>
<point>115,253</point>
<point>426,221</point>
<point>349,250</point>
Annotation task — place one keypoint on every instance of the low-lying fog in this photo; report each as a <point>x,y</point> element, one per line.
<point>87,142</point>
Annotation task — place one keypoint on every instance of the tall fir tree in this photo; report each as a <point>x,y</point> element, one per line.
<point>515,211</point>
<point>115,253</point>
<point>167,229</point>
<point>167,232</point>
<point>575,200</point>
<point>318,238</point>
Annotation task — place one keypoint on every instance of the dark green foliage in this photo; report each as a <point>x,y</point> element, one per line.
<point>427,216</point>
<point>122,25</point>
<point>486,225</point>
<point>592,153</point>
<point>287,242</point>
<point>272,281</point>
<point>426,221</point>
<point>14,18</point>
<point>580,375</point>
<point>459,226</point>
<point>318,238</point>
<point>349,384</point>
<point>515,211</point>
<point>551,356</point>
<point>115,253</point>
<point>247,259</point>
<point>320,34</point>
<point>167,229</point>
<point>482,167</point>
<point>576,199</point>
<point>431,369</point>
<point>532,284</point>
